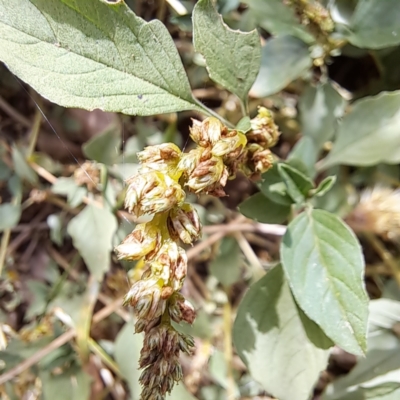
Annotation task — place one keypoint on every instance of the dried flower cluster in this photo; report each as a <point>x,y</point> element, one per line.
<point>158,189</point>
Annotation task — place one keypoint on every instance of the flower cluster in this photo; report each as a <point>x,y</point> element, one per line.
<point>157,190</point>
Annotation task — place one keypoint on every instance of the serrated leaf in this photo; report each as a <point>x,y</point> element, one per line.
<point>369,133</point>
<point>277,18</point>
<point>94,54</point>
<point>320,107</point>
<point>9,215</point>
<point>262,209</point>
<point>69,188</point>
<point>105,147</point>
<point>375,24</point>
<point>226,267</point>
<point>324,265</point>
<point>298,185</point>
<point>232,57</point>
<point>283,59</point>
<point>271,339</point>
<point>92,231</point>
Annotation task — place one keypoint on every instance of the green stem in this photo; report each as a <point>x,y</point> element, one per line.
<point>212,113</point>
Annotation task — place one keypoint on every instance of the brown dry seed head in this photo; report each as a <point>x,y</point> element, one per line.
<point>164,157</point>
<point>184,224</point>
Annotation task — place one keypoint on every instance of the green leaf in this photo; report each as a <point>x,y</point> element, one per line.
<point>298,185</point>
<point>377,376</point>
<point>277,18</point>
<point>127,353</point>
<point>369,133</point>
<point>105,147</point>
<point>273,187</point>
<point>94,54</point>
<point>73,384</point>
<point>244,124</point>
<point>325,186</point>
<point>306,153</point>
<point>21,167</point>
<point>375,24</point>
<point>226,267</point>
<point>283,59</point>
<point>262,209</point>
<point>68,187</point>
<point>320,107</point>
<point>232,57</point>
<point>9,215</point>
<point>92,231</point>
<point>179,392</point>
<point>324,265</point>
<point>271,339</point>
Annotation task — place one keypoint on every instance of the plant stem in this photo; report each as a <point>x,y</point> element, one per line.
<point>212,113</point>
<point>228,348</point>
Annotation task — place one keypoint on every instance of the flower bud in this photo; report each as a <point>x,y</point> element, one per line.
<point>184,223</point>
<point>258,160</point>
<point>208,132</point>
<point>152,192</point>
<point>263,129</point>
<point>189,161</point>
<point>145,240</point>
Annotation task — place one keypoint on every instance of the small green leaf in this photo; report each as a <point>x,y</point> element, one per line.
<point>68,187</point>
<point>262,209</point>
<point>232,57</point>
<point>324,265</point>
<point>324,187</point>
<point>94,54</point>
<point>92,231</point>
<point>277,18</point>
<point>226,267</point>
<point>21,167</point>
<point>375,24</point>
<point>272,340</point>
<point>105,147</point>
<point>273,187</point>
<point>369,133</point>
<point>298,185</point>
<point>320,107</point>
<point>9,215</point>
<point>244,124</point>
<point>283,59</point>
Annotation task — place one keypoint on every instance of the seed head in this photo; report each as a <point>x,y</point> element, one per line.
<point>229,144</point>
<point>164,157</point>
<point>207,132</point>
<point>152,192</point>
<point>263,129</point>
<point>145,240</point>
<point>181,309</point>
<point>146,298</point>
<point>184,223</point>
